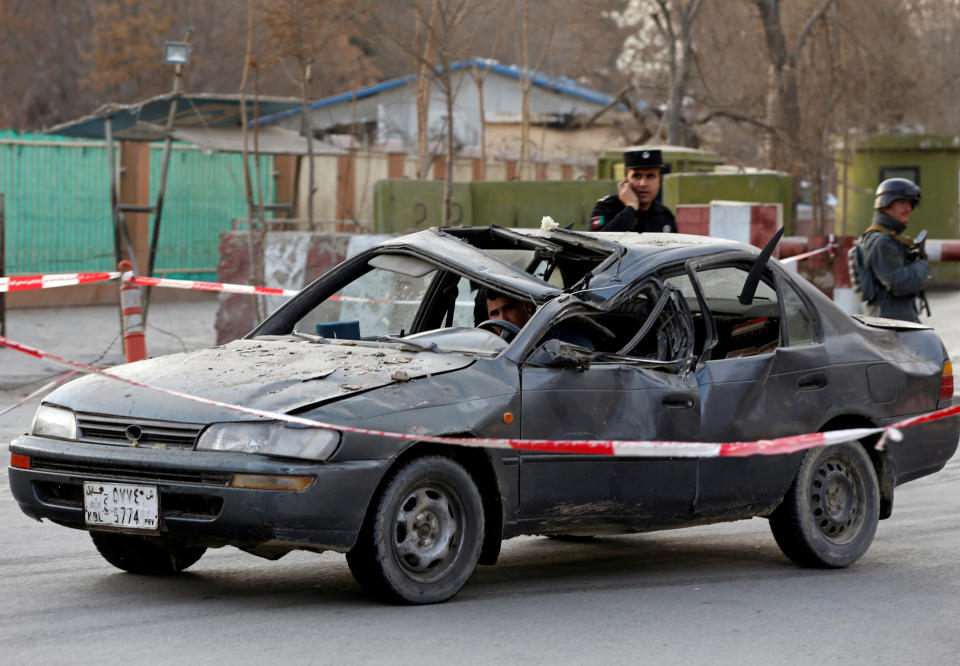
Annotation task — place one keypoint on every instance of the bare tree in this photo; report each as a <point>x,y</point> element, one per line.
<point>299,30</point>
<point>527,76</point>
<point>783,106</point>
<point>425,53</point>
<point>661,47</point>
<point>683,12</point>
<point>442,42</point>
<point>479,75</point>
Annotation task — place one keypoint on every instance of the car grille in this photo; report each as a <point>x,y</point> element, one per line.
<point>100,429</point>
<point>130,473</point>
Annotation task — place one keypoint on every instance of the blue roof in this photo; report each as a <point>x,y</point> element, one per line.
<point>560,84</point>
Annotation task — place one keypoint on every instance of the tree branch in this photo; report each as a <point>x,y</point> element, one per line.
<point>807,27</point>
<point>738,117</point>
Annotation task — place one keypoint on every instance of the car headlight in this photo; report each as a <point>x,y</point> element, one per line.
<point>271,439</point>
<point>56,422</point>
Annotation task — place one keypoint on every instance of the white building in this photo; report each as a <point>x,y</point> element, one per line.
<point>386,114</point>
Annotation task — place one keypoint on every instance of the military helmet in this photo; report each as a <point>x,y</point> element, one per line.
<point>893,189</point>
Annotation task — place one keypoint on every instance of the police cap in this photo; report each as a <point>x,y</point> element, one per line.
<point>643,159</point>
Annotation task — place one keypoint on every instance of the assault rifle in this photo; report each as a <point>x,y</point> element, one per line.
<point>919,251</point>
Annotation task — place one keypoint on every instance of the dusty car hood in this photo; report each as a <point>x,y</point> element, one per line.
<point>275,374</point>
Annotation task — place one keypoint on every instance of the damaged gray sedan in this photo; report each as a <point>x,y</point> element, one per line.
<point>632,337</point>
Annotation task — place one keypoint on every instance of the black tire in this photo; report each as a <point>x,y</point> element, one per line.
<point>421,539</point>
<point>829,517</point>
<point>148,556</point>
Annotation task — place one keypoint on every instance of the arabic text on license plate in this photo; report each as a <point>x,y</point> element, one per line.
<point>120,505</point>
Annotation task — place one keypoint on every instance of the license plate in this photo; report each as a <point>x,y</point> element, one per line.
<point>120,505</point>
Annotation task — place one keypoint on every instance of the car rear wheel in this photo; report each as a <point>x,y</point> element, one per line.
<point>146,555</point>
<point>829,517</point>
<point>422,537</point>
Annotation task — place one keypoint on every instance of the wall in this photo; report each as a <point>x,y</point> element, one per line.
<point>345,185</point>
<point>404,205</point>
<point>291,259</point>
<point>702,188</point>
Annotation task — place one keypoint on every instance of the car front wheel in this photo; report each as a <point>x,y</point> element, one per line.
<point>145,555</point>
<point>421,540</point>
<point>829,517</point>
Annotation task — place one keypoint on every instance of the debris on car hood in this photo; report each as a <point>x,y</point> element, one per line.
<point>279,374</point>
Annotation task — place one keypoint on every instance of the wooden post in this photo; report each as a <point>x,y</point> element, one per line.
<point>477,164</point>
<point>285,168</point>
<point>135,191</point>
<point>346,189</point>
<point>396,165</point>
<point>439,167</point>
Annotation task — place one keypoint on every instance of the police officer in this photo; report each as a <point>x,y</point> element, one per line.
<point>634,207</point>
<point>899,268</point>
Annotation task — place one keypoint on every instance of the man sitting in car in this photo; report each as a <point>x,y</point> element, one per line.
<point>516,312</point>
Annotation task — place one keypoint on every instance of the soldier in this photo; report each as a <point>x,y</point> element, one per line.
<point>634,207</point>
<point>898,267</point>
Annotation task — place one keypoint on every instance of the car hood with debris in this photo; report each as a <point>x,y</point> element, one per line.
<point>277,374</point>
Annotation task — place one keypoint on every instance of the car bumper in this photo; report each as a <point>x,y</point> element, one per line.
<point>925,448</point>
<point>197,502</point>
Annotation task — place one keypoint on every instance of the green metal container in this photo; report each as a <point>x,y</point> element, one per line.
<point>677,158</point>
<point>751,187</point>
<point>402,205</point>
<point>932,162</point>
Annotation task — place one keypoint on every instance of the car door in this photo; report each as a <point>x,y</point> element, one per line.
<point>768,375</point>
<point>630,398</point>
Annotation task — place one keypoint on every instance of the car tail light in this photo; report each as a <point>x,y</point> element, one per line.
<point>946,381</point>
<point>20,461</point>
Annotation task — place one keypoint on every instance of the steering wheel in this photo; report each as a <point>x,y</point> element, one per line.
<point>508,330</point>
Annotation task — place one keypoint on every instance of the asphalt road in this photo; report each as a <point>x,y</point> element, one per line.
<point>711,595</point>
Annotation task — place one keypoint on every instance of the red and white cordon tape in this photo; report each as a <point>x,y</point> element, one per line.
<point>26,282</point>
<point>198,285</point>
<point>645,448</point>
<point>68,279</point>
<point>806,255</point>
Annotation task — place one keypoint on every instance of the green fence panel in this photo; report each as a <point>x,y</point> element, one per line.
<point>57,204</point>
<point>204,194</point>
<point>58,217</point>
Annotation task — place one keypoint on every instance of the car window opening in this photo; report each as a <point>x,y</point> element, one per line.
<point>740,330</point>
<point>397,294</point>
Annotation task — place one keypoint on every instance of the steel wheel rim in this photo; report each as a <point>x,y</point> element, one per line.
<point>427,532</point>
<point>837,499</point>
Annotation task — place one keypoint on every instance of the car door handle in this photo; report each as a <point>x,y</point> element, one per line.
<point>677,401</point>
<point>817,380</point>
